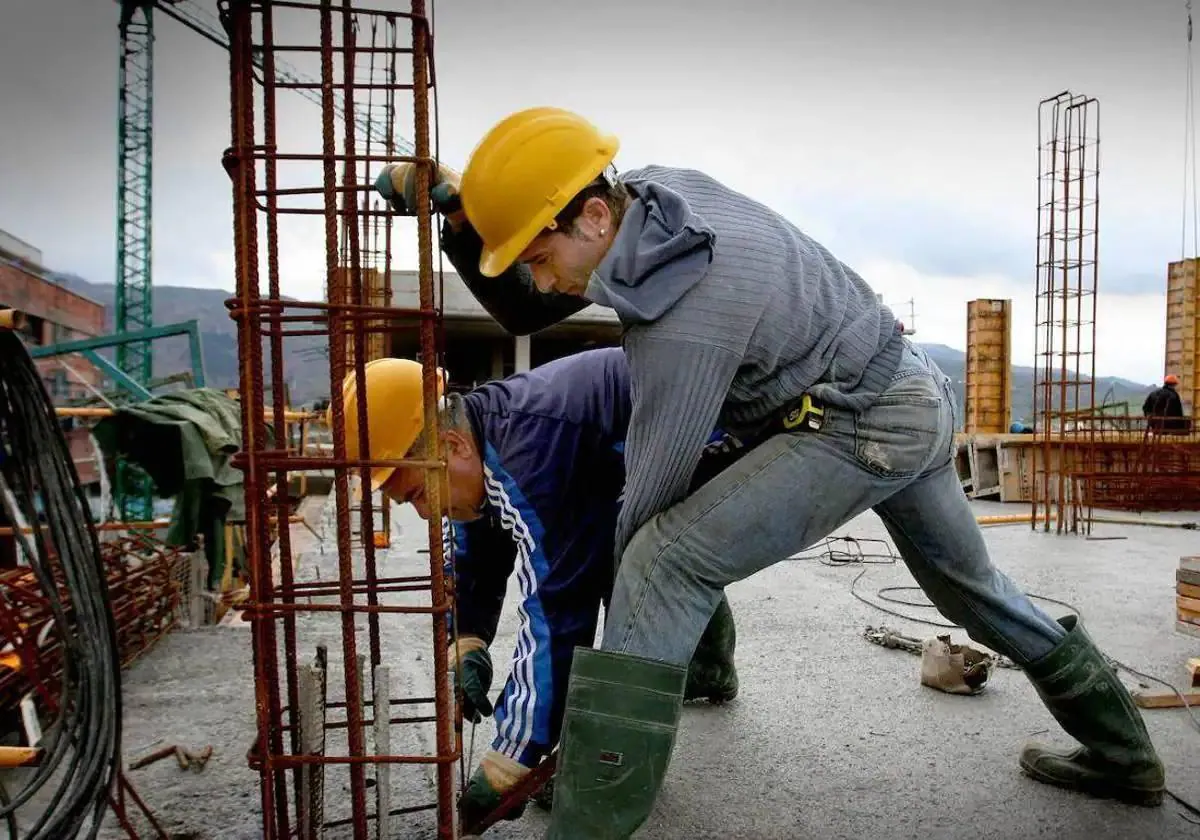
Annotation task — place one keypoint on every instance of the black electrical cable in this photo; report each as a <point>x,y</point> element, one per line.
<point>83,753</point>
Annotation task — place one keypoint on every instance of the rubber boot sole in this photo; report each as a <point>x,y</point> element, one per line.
<point>1096,786</point>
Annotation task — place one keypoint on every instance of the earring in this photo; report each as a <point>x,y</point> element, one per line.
<point>601,231</point>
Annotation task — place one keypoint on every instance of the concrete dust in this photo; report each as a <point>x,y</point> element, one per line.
<point>851,743</point>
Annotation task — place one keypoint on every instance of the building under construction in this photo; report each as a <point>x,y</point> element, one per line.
<point>316,697</point>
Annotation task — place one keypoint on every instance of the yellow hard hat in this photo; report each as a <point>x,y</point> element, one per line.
<point>395,411</point>
<point>523,173</point>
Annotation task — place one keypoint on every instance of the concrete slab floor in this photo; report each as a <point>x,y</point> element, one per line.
<point>830,737</point>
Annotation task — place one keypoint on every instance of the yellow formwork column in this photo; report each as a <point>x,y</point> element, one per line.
<point>988,387</point>
<point>1183,327</point>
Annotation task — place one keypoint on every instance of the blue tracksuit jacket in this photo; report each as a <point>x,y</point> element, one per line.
<point>552,441</point>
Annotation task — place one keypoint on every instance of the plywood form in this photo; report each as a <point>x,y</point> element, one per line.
<point>1183,328</point>
<point>988,387</point>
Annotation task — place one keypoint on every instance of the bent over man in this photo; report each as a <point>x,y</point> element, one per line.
<point>734,317</point>
<point>535,469</point>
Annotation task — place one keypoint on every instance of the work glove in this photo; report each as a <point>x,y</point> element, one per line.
<point>476,677</point>
<point>952,668</point>
<point>397,184</point>
<point>496,775</point>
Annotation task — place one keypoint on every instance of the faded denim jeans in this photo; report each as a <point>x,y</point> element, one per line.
<point>793,490</point>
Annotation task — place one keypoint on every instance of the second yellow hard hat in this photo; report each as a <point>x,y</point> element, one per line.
<point>395,411</point>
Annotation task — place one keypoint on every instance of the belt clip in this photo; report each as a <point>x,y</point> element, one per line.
<point>806,416</point>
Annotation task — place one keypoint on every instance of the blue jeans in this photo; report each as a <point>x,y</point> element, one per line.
<point>793,490</point>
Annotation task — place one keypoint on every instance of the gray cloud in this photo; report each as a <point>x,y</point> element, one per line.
<point>905,130</point>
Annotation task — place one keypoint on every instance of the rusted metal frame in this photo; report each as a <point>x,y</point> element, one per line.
<point>117,803</point>
<point>317,86</point>
<point>316,586</point>
<point>279,403</point>
<point>360,588</point>
<point>335,157</point>
<point>361,761</point>
<point>263,608</point>
<point>297,48</point>
<point>337,372</point>
<point>366,513</point>
<point>271,783</point>
<point>343,309</point>
<point>532,782</point>
<point>320,6</point>
<point>395,812</point>
<point>435,480</point>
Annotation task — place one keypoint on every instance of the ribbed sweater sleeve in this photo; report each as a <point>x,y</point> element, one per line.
<point>512,298</point>
<point>678,386</point>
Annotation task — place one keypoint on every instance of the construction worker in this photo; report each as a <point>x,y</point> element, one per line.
<point>731,314</point>
<point>535,471</point>
<point>1163,409</point>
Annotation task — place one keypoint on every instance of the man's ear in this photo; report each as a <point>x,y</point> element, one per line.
<point>457,444</point>
<point>596,215</point>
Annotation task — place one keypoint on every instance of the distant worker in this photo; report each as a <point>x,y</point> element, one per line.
<point>733,316</point>
<point>535,469</point>
<point>1163,409</point>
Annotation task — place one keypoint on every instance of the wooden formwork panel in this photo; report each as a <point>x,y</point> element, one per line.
<point>988,386</point>
<point>1183,327</point>
<point>376,295</point>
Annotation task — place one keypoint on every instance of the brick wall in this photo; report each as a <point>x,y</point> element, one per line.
<point>55,315</point>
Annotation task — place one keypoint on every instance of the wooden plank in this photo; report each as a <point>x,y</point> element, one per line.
<point>1193,666</point>
<point>1190,605</point>
<point>1187,590</point>
<point>1185,576</point>
<point>1189,564</point>
<point>1165,698</point>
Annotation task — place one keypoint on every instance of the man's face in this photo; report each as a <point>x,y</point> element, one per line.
<point>563,261</point>
<point>464,474</point>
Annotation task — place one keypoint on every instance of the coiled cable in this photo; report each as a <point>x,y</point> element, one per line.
<point>41,487</point>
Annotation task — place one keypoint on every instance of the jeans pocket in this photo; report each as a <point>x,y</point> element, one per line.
<point>897,436</point>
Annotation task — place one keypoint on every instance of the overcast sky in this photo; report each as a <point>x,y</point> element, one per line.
<point>901,135</point>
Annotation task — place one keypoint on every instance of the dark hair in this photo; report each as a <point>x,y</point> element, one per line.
<point>607,187</point>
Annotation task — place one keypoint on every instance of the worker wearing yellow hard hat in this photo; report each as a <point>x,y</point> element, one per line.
<point>730,311</point>
<point>535,471</point>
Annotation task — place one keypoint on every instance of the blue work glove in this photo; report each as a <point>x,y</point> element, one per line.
<point>476,680</point>
<point>397,184</point>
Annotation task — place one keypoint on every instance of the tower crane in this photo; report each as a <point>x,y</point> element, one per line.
<point>133,301</point>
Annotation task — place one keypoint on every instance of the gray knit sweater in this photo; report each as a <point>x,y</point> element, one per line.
<point>730,312</point>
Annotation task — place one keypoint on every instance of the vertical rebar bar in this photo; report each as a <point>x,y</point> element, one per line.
<point>242,166</point>
<point>433,478</point>
<point>278,401</point>
<point>337,370</point>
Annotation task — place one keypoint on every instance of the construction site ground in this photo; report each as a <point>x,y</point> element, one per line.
<point>831,736</point>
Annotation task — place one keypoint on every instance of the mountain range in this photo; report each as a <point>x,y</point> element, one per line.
<point>305,356</point>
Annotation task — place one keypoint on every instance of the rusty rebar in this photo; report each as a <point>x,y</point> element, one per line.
<point>1065,310</point>
<point>351,319</point>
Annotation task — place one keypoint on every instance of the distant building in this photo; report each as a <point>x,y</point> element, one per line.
<point>54,313</point>
<point>478,349</point>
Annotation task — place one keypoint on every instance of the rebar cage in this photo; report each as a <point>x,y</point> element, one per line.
<point>371,61</point>
<point>1065,307</point>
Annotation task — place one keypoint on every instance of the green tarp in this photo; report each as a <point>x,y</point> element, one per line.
<point>185,441</point>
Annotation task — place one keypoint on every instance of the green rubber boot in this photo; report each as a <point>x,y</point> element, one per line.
<point>1117,759</point>
<point>622,712</point>
<point>712,674</point>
